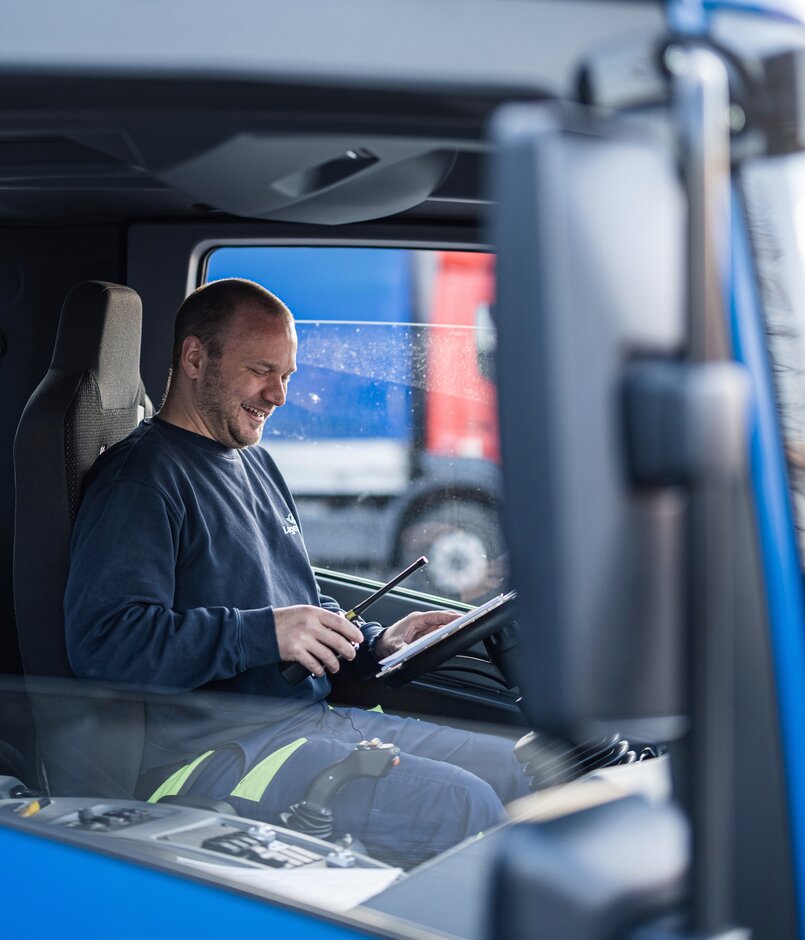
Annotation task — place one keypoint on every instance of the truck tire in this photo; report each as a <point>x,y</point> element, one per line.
<point>464,545</point>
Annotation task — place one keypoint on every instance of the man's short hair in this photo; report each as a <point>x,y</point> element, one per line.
<point>207,311</point>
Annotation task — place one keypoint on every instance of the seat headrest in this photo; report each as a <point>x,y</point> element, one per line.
<point>99,332</point>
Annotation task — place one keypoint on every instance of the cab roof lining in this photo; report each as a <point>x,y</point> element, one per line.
<point>122,115</point>
<point>383,44</point>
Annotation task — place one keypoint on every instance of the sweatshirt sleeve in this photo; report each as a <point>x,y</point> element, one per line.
<point>119,618</point>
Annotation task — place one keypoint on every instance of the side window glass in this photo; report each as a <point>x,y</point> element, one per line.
<point>389,437</point>
<point>774,194</point>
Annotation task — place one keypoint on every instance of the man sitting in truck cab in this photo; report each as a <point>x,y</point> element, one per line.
<point>189,572</point>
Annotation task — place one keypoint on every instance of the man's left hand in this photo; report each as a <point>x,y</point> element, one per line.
<point>410,628</point>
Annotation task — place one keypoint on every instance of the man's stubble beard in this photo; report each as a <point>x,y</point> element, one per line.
<point>212,408</point>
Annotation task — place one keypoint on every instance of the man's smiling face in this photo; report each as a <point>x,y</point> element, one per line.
<point>238,390</point>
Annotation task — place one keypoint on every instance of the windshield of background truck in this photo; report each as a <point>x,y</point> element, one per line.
<point>389,438</point>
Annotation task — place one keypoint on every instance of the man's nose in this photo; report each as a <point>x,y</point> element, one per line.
<point>274,392</point>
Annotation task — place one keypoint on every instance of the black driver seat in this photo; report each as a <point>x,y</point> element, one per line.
<point>90,398</point>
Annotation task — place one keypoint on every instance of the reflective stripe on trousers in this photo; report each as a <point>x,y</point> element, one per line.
<point>252,787</point>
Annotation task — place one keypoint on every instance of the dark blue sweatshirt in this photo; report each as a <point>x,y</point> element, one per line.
<point>180,551</point>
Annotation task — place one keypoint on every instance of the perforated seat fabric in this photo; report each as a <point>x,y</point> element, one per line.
<point>89,429</point>
<point>90,398</point>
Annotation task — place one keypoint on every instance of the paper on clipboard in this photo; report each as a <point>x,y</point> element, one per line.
<point>424,642</point>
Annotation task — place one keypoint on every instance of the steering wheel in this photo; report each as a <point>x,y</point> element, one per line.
<point>429,658</point>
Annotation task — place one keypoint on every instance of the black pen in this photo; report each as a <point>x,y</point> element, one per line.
<point>294,672</point>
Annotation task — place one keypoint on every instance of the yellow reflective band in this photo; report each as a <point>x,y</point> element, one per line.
<point>255,783</point>
<point>174,783</point>
<point>29,809</point>
<point>377,708</point>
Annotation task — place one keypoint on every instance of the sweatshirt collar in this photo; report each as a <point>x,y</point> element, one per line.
<point>190,437</point>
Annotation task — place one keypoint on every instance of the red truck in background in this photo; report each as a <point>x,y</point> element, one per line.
<point>465,424</point>
<point>389,439</point>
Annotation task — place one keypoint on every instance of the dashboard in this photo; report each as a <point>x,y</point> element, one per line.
<point>446,895</point>
<point>212,846</point>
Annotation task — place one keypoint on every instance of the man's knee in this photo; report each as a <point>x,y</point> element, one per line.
<point>481,808</point>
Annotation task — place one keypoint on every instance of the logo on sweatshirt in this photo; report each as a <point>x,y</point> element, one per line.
<point>292,527</point>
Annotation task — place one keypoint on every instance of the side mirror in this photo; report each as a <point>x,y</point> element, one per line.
<point>589,226</point>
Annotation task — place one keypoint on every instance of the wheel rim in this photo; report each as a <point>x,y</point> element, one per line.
<point>457,561</point>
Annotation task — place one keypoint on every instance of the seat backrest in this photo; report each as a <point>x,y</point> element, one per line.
<point>91,397</point>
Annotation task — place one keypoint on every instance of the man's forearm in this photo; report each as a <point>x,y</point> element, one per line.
<point>147,644</point>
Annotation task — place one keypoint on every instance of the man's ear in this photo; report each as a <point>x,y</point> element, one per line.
<point>193,356</point>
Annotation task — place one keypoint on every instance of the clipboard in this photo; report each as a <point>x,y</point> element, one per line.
<point>395,661</point>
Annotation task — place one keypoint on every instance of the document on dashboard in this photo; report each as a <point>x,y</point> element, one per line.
<point>430,639</point>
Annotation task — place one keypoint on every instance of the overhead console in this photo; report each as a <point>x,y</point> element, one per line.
<point>323,179</point>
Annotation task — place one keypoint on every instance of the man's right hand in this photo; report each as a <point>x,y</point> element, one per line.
<point>314,637</point>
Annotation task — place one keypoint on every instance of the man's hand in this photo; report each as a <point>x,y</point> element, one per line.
<point>314,637</point>
<point>410,628</point>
